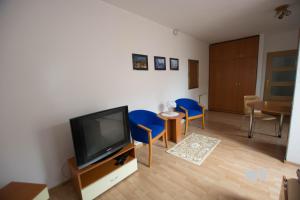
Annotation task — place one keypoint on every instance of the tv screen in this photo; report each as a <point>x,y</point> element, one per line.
<point>98,135</point>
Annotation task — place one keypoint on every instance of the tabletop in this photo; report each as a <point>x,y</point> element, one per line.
<point>275,107</point>
<point>181,115</point>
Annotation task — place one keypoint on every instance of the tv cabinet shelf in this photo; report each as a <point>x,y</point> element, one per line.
<point>93,180</point>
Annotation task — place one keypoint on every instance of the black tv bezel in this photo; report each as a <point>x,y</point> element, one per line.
<point>82,160</point>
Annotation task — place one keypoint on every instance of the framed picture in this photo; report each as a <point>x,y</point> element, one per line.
<point>159,63</point>
<point>174,64</point>
<point>139,62</point>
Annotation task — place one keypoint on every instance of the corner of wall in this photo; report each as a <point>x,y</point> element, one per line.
<point>260,66</point>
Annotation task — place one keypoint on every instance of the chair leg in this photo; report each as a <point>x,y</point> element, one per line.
<point>150,154</point>
<point>186,126</point>
<point>254,124</point>
<point>203,122</point>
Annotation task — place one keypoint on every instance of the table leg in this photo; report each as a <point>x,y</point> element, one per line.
<point>280,124</point>
<point>177,130</point>
<point>251,123</point>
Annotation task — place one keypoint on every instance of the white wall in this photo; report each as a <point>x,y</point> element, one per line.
<point>270,42</point>
<point>62,59</point>
<point>280,41</point>
<point>293,150</point>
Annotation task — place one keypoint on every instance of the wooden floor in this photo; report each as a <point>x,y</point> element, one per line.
<point>238,168</point>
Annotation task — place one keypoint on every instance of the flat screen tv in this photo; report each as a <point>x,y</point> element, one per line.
<point>98,135</point>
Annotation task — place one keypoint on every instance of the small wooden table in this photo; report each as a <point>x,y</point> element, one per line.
<point>174,130</point>
<point>24,191</point>
<point>273,107</point>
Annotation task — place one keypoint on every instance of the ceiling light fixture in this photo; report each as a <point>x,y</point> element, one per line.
<point>282,11</point>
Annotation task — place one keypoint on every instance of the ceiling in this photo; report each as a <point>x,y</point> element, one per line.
<point>215,20</point>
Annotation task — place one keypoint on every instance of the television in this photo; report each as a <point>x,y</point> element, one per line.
<point>99,135</point>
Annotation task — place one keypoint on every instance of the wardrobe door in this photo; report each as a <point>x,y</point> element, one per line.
<point>246,70</point>
<point>226,86</point>
<point>246,81</point>
<point>221,82</point>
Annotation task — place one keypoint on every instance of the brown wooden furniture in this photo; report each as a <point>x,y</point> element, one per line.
<point>225,167</point>
<point>280,75</point>
<point>24,191</point>
<point>174,131</point>
<point>232,73</point>
<point>290,189</point>
<point>193,74</point>
<point>98,177</point>
<point>188,118</point>
<point>163,135</point>
<point>278,108</point>
<point>258,114</point>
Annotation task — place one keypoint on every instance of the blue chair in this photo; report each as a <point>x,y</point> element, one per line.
<point>147,127</point>
<point>192,109</point>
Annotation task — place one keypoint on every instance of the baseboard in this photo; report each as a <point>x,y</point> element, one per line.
<point>59,185</point>
<point>291,163</point>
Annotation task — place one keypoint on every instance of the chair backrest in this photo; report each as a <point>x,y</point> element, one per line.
<point>187,103</point>
<point>141,117</point>
<point>249,99</point>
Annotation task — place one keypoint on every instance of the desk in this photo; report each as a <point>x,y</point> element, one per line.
<point>174,130</point>
<point>272,107</point>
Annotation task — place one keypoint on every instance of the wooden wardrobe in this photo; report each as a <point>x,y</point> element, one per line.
<point>232,73</point>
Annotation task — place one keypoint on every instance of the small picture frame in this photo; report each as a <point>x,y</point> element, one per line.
<point>174,64</point>
<point>139,62</point>
<point>159,63</point>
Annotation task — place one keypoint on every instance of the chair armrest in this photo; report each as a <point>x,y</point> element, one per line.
<point>148,130</point>
<point>165,121</point>
<point>184,109</point>
<point>144,128</point>
<point>202,107</point>
<point>161,117</point>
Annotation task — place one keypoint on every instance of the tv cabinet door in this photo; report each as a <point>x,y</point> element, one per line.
<point>108,181</point>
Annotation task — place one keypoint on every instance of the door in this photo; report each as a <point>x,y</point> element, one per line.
<point>246,64</point>
<point>280,75</point>
<point>246,81</point>
<point>222,95</point>
<point>222,69</point>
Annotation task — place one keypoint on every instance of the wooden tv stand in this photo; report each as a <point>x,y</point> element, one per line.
<point>95,179</point>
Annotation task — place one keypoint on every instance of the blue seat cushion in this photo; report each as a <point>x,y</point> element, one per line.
<point>156,129</point>
<point>194,112</point>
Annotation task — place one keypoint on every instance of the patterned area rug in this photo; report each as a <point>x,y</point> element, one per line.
<point>195,148</point>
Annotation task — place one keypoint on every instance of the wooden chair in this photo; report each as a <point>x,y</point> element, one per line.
<point>257,113</point>
<point>147,127</point>
<point>192,109</point>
